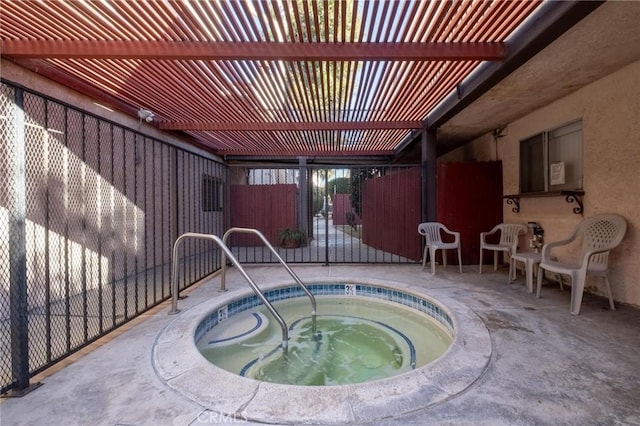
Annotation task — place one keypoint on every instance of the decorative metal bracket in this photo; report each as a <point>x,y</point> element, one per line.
<point>575,196</point>
<point>513,200</point>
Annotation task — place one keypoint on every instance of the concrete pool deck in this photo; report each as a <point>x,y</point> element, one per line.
<point>546,366</point>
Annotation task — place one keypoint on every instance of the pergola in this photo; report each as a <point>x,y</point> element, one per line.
<point>282,79</point>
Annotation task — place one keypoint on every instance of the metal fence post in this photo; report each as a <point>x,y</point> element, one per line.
<point>18,256</point>
<point>303,200</point>
<point>429,173</point>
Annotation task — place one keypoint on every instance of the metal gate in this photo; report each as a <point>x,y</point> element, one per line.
<point>350,214</point>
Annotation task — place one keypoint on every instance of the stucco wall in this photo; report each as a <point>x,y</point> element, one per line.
<point>610,113</point>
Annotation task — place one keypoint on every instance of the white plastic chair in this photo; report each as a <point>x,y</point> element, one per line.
<point>431,231</point>
<point>600,234</point>
<point>508,241</point>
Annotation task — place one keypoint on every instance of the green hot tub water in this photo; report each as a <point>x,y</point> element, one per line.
<point>357,339</point>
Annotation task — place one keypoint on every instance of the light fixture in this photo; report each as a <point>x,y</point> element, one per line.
<point>500,132</point>
<point>146,115</point>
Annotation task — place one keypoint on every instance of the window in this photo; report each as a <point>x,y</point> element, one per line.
<point>211,194</point>
<point>552,160</point>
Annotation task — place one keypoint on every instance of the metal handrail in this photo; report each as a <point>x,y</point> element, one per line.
<point>223,287</point>
<point>174,284</point>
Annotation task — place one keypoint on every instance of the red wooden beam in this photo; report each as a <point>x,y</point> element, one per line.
<point>279,153</point>
<point>287,51</point>
<point>294,126</point>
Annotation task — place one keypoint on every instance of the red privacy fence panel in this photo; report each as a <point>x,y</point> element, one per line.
<point>267,208</point>
<point>470,202</point>
<point>341,206</point>
<point>391,213</point>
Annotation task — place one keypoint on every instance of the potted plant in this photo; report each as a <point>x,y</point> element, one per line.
<point>292,238</point>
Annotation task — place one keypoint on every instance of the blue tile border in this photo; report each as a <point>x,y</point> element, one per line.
<point>418,303</point>
<point>257,325</point>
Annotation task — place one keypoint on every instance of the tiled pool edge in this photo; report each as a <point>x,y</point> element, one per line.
<point>180,366</point>
<point>425,305</point>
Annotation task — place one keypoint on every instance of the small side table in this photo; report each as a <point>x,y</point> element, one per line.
<point>530,261</point>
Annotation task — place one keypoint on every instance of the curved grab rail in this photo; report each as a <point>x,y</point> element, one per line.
<point>225,237</point>
<point>174,283</point>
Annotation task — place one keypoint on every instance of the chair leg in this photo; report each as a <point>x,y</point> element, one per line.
<point>444,258</point>
<point>480,266</point>
<point>577,289</point>
<point>512,275</point>
<point>424,256</point>
<point>529,273</point>
<point>612,306</point>
<point>539,283</point>
<point>433,260</point>
<point>495,260</point>
<point>515,268</point>
<point>459,259</point>
<point>560,279</point>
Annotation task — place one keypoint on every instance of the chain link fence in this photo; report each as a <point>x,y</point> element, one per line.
<point>89,211</point>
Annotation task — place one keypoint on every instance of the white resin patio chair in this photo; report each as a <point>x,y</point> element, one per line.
<point>508,241</point>
<point>432,233</point>
<point>600,234</point>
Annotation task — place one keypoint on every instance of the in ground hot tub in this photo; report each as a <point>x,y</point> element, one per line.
<point>411,386</point>
<point>361,333</point>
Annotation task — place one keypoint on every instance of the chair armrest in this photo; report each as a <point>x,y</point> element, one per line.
<point>586,258</point>
<point>486,234</point>
<point>456,235</point>
<point>546,248</point>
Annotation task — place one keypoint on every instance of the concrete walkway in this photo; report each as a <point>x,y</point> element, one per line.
<point>547,366</point>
